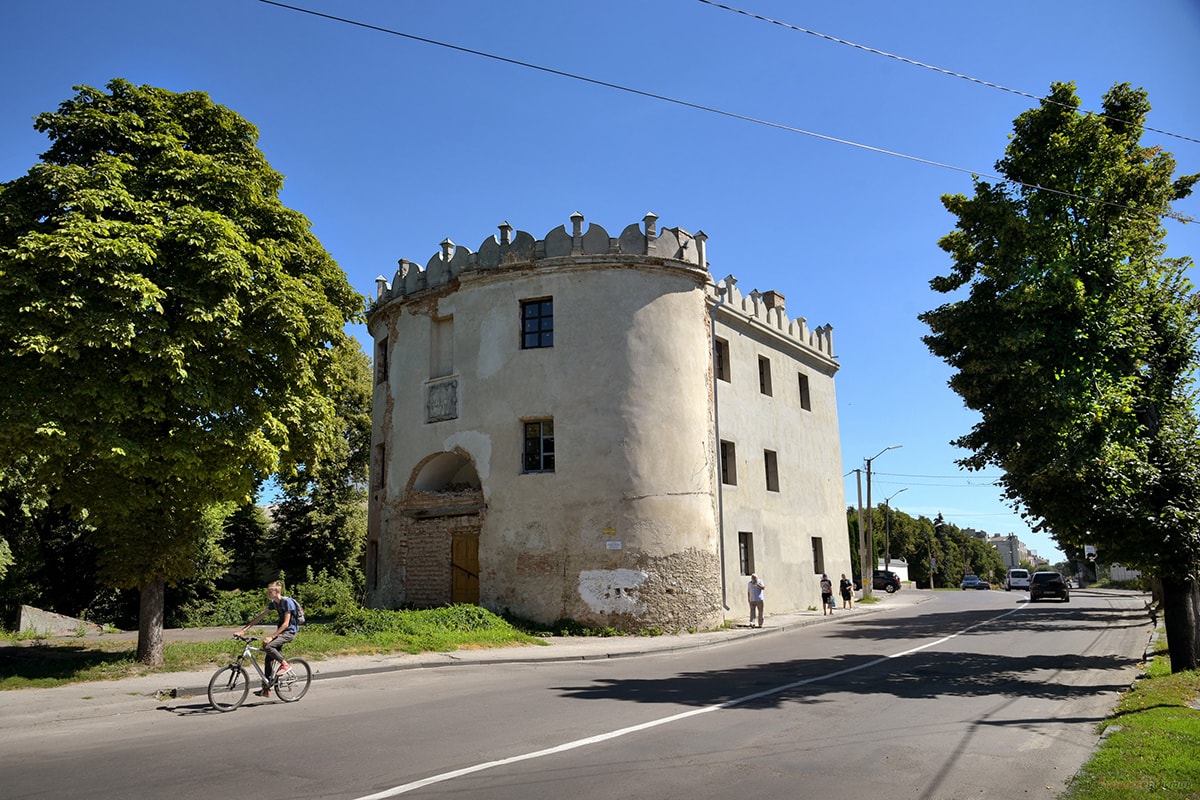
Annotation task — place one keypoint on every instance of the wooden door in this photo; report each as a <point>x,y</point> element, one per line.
<point>464,569</point>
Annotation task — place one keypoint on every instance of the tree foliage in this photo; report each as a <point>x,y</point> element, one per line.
<point>167,327</point>
<point>320,525</point>
<point>1076,342</point>
<point>916,539</point>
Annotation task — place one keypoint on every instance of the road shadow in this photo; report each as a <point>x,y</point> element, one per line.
<point>954,670</point>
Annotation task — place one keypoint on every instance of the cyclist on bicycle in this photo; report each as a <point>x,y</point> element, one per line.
<point>286,631</point>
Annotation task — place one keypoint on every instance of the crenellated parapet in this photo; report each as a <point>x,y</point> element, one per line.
<point>766,310</point>
<point>644,242</point>
<point>512,248</point>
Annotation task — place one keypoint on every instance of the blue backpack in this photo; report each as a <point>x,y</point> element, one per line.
<point>298,614</point>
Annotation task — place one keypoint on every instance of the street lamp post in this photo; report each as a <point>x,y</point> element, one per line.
<point>867,559</point>
<point>887,528</point>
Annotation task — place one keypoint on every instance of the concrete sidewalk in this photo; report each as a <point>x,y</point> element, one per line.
<point>168,690</point>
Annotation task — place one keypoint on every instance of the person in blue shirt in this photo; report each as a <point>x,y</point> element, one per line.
<point>285,631</point>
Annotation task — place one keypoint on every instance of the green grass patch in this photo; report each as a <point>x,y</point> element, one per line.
<point>1151,741</point>
<point>38,664</point>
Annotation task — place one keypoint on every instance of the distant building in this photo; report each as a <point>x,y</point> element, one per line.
<point>1012,551</point>
<point>588,427</point>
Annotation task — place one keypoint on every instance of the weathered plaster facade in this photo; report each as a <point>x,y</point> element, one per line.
<point>624,527</point>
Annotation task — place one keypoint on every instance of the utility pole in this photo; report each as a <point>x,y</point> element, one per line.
<point>862,539</point>
<point>868,574</point>
<point>887,529</point>
<point>938,524</point>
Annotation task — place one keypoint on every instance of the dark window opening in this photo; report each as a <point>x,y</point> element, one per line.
<point>764,375</point>
<point>728,464</point>
<point>771,460</point>
<point>721,359</point>
<point>537,324</point>
<point>746,552</point>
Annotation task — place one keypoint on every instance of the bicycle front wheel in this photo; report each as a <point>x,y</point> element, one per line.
<point>229,687</point>
<point>293,684</point>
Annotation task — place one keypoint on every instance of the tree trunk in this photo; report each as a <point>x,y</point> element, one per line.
<point>1181,615</point>
<point>150,624</point>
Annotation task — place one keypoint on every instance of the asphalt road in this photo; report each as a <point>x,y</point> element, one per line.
<point>970,695</point>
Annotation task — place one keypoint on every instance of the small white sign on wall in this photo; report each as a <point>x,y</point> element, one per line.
<point>611,545</point>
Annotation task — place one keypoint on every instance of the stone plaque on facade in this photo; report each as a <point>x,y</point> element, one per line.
<point>441,400</point>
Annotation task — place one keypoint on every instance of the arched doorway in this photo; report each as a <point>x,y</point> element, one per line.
<point>443,506</point>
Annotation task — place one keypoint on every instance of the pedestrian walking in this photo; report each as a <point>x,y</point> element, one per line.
<point>847,588</point>
<point>826,594</point>
<point>754,593</point>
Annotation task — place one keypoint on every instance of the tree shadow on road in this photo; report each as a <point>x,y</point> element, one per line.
<point>954,669</point>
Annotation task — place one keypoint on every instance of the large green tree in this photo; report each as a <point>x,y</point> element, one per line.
<point>1076,341</point>
<point>167,328</point>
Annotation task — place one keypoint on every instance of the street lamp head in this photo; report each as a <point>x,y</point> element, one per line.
<point>884,450</point>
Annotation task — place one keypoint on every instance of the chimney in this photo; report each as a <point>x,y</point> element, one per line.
<point>773,299</point>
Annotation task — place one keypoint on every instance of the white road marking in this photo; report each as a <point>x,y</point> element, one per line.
<point>604,737</point>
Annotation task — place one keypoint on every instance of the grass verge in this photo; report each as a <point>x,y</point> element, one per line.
<point>43,663</point>
<point>1151,740</point>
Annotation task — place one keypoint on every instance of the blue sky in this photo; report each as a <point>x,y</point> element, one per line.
<point>389,145</point>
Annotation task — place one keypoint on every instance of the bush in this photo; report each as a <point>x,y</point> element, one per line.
<point>325,597</point>
<point>226,609</point>
<point>461,619</point>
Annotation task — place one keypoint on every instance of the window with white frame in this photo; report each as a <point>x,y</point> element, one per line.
<point>538,455</point>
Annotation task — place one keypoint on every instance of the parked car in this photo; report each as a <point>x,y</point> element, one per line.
<point>1048,584</point>
<point>974,582</point>
<point>1017,579</point>
<point>886,580</point>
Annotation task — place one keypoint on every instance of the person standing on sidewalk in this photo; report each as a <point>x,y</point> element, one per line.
<point>285,631</point>
<point>826,594</point>
<point>754,593</point>
<point>847,589</point>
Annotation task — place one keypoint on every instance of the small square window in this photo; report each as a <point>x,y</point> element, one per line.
<point>537,323</point>
<point>538,451</point>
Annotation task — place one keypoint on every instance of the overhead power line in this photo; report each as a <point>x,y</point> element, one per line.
<point>923,65</point>
<point>709,109</point>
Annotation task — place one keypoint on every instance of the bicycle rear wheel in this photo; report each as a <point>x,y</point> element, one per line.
<point>293,684</point>
<point>228,688</point>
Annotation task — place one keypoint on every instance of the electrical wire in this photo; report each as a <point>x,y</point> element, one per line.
<point>923,65</point>
<point>975,174</point>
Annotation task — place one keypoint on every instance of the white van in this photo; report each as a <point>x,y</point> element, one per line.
<point>1017,579</point>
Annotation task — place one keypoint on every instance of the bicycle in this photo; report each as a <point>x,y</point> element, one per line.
<point>230,685</point>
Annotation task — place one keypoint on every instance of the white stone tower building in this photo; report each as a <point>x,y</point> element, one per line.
<point>549,417</point>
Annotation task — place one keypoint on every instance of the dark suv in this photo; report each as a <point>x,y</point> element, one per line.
<point>1048,584</point>
<point>886,580</point>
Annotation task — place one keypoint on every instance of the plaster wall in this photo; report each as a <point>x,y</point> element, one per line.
<point>810,503</point>
<point>623,530</point>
